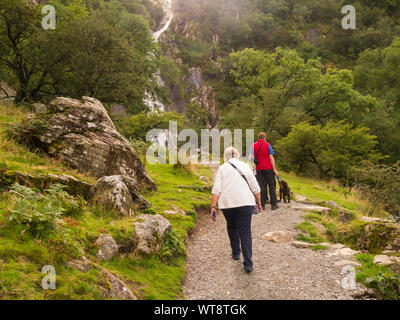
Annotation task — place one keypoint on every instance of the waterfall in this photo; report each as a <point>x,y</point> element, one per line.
<point>167,21</point>
<point>150,101</point>
<point>165,138</point>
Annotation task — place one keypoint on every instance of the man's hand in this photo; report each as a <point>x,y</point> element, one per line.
<point>259,207</point>
<point>276,173</point>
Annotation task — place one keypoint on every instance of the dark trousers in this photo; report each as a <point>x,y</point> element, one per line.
<point>238,221</point>
<point>266,180</point>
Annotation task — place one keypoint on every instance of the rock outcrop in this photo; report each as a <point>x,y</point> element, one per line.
<point>118,193</point>
<point>81,133</point>
<point>150,233</point>
<point>378,236</point>
<point>108,248</point>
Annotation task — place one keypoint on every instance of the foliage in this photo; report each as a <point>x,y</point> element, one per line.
<point>376,72</point>
<point>388,285</point>
<point>70,60</point>
<point>281,89</point>
<point>319,73</point>
<point>332,150</point>
<point>380,184</point>
<point>385,282</point>
<point>140,146</point>
<point>172,246</point>
<point>40,214</point>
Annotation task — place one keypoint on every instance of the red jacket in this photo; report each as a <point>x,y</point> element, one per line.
<point>264,162</point>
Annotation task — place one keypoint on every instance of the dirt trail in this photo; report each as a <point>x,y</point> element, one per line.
<point>281,271</point>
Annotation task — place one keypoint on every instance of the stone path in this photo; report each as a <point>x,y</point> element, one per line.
<point>281,271</point>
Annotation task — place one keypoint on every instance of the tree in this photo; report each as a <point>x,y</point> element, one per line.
<point>285,90</point>
<point>331,150</point>
<point>18,23</point>
<point>103,53</point>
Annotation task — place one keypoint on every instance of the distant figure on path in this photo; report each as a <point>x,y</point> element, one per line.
<point>234,191</point>
<point>263,156</point>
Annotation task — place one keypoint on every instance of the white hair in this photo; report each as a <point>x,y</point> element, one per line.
<point>230,153</point>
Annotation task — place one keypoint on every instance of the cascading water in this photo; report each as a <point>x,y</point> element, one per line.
<point>167,21</point>
<point>153,103</point>
<point>150,101</point>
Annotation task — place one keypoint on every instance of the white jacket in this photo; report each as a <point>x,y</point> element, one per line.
<point>231,188</point>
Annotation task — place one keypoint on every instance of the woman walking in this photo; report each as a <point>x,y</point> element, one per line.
<point>235,189</point>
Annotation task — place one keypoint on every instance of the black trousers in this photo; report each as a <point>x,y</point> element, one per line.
<point>266,180</point>
<point>238,222</point>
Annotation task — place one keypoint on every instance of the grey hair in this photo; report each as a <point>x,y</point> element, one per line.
<point>230,153</point>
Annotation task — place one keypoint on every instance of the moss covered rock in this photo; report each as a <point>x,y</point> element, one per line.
<point>81,133</point>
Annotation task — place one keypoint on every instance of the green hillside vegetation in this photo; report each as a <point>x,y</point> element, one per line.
<point>68,227</point>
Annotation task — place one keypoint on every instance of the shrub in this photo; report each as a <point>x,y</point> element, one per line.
<point>331,150</point>
<point>40,214</point>
<point>380,184</point>
<point>139,145</point>
<point>387,285</point>
<point>172,246</point>
<point>73,206</point>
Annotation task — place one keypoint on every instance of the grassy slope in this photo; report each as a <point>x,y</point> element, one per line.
<point>322,191</point>
<point>22,256</point>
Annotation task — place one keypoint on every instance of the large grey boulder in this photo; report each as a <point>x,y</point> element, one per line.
<point>118,193</point>
<point>81,133</point>
<point>150,232</point>
<point>108,248</point>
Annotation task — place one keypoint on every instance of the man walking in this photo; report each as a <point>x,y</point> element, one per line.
<point>263,156</point>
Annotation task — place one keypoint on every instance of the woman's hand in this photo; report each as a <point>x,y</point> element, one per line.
<point>258,200</point>
<point>213,213</point>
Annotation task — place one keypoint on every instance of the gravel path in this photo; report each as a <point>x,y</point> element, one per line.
<point>281,271</point>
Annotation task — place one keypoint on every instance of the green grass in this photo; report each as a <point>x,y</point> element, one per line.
<point>152,279</point>
<point>319,247</point>
<point>368,269</point>
<point>314,216</point>
<point>384,281</point>
<point>322,191</point>
<point>310,233</point>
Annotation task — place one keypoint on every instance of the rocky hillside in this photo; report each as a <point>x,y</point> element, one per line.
<point>111,229</point>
